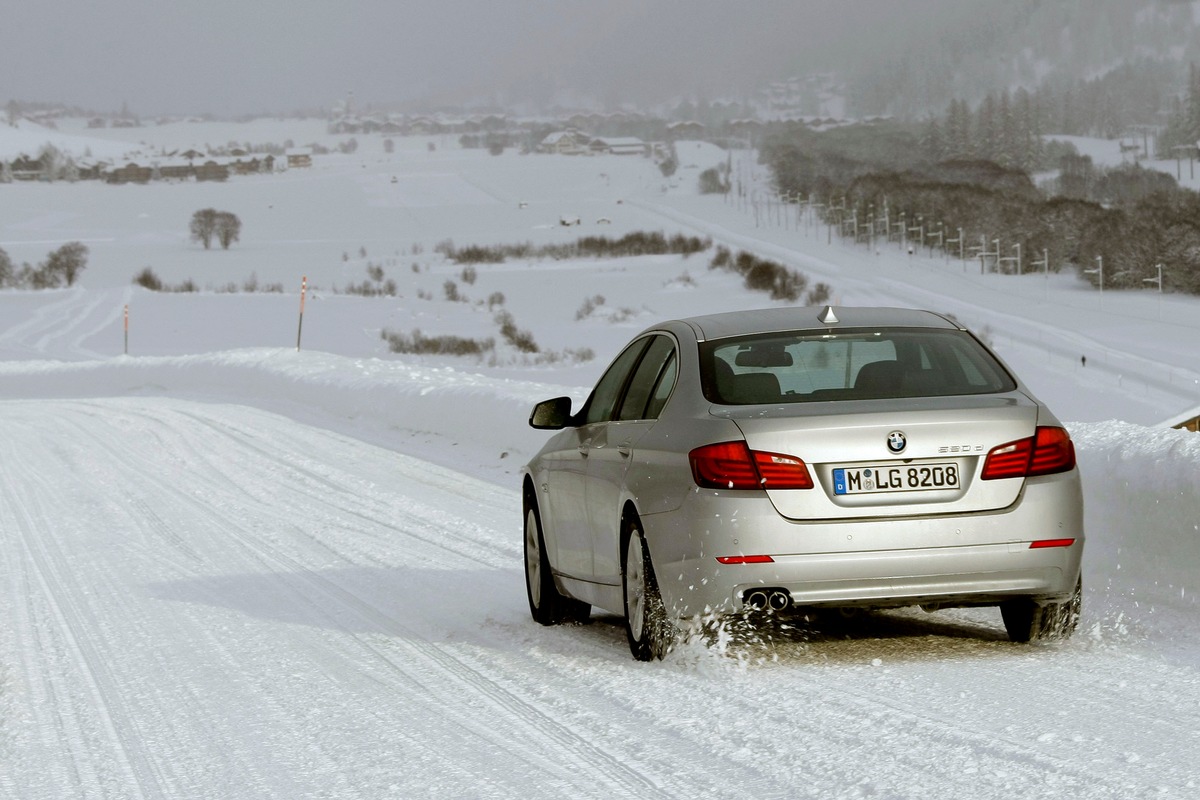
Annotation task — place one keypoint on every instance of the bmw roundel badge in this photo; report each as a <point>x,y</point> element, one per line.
<point>896,441</point>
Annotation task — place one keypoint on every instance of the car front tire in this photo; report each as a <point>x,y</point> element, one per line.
<point>547,605</point>
<point>647,626</point>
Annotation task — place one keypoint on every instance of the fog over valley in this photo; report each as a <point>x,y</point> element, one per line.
<point>231,58</point>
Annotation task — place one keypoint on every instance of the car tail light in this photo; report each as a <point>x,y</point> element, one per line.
<point>733,465</point>
<point>1053,452</point>
<point>1048,451</point>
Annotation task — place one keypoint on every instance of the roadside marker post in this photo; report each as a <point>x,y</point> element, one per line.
<point>300,327</point>
<point>126,329</point>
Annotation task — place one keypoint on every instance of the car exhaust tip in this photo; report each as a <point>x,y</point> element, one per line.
<point>757,600</point>
<point>778,600</point>
<point>767,599</point>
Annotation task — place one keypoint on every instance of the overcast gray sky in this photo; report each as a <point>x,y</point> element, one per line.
<point>245,56</point>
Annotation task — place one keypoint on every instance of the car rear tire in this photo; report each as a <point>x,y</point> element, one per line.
<point>1027,620</point>
<point>547,605</point>
<point>651,634</point>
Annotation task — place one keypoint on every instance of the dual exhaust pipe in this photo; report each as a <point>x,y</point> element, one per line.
<point>767,599</point>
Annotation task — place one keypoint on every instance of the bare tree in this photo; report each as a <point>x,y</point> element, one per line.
<point>228,229</point>
<point>204,225</point>
<point>6,269</point>
<point>64,264</point>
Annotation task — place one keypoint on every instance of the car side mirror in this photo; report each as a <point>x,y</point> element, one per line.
<point>551,415</point>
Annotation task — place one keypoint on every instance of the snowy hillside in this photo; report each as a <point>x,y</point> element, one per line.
<point>234,569</point>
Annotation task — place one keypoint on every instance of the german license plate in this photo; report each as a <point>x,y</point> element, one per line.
<point>889,478</point>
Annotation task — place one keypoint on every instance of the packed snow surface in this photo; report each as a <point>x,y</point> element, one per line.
<point>234,568</point>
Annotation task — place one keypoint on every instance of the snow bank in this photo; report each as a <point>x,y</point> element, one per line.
<point>473,423</point>
<point>1143,523</point>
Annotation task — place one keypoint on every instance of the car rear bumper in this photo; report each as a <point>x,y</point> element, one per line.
<point>972,559</point>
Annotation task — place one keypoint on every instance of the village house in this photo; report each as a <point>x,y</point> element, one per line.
<point>174,169</point>
<point>26,168</point>
<point>568,142</point>
<point>422,126</point>
<point>685,130</point>
<point>749,129</point>
<point>251,164</point>
<point>619,146</point>
<point>92,169</point>
<point>131,172</point>
<point>298,157</point>
<point>212,170</point>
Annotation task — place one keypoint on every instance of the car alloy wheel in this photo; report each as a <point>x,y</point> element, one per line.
<point>649,631</point>
<point>547,605</point>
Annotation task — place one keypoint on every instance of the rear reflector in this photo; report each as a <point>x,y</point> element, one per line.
<point>745,559</point>
<point>733,465</point>
<point>1040,543</point>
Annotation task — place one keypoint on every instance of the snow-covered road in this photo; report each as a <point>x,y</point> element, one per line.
<point>205,600</point>
<point>229,569</point>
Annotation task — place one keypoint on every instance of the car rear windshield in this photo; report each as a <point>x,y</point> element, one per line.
<point>861,364</point>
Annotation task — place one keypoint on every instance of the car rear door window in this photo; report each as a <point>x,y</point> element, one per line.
<point>662,391</point>
<point>645,379</point>
<point>604,397</point>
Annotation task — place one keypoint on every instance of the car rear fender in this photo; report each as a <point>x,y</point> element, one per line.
<point>659,476</point>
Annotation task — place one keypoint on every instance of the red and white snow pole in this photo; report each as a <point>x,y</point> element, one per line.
<point>126,329</point>
<point>300,327</point>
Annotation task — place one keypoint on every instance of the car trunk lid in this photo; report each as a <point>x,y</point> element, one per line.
<point>891,458</point>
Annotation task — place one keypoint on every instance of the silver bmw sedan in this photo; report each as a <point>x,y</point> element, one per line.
<point>797,458</point>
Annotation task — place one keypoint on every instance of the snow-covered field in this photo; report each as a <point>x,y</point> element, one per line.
<point>231,568</point>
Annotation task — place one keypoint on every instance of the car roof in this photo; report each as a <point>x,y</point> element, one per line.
<point>770,320</point>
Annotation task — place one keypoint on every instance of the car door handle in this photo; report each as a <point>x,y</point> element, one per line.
<point>585,448</point>
<point>625,448</point>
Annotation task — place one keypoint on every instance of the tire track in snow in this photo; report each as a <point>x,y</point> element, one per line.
<point>430,673</point>
<point>119,729</point>
<point>69,318</point>
<point>439,533</point>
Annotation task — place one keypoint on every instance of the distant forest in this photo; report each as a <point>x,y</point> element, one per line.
<point>885,182</point>
<point>1134,102</point>
<point>1072,50</point>
<point>959,161</point>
